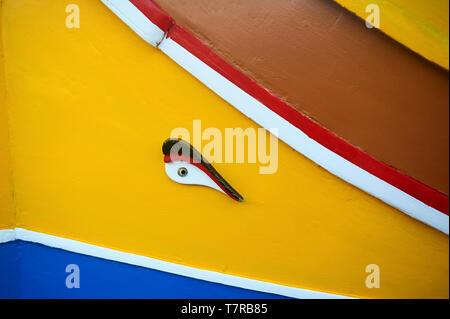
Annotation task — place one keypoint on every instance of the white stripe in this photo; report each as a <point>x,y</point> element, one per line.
<point>147,262</point>
<point>136,20</point>
<point>298,140</point>
<point>7,235</point>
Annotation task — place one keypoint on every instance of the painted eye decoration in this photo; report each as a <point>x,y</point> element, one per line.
<point>185,165</point>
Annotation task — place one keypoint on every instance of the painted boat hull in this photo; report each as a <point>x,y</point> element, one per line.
<point>83,160</point>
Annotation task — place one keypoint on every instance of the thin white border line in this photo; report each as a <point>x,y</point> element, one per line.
<point>293,136</point>
<point>7,235</point>
<point>136,20</point>
<point>147,262</point>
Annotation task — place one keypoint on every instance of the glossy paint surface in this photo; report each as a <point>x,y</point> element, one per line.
<point>37,271</point>
<point>6,189</point>
<point>357,82</point>
<point>420,25</point>
<point>89,110</point>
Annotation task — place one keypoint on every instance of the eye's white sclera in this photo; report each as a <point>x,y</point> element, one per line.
<point>194,176</point>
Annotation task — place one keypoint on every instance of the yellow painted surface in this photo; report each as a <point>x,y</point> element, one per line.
<point>421,25</point>
<point>6,190</point>
<point>89,110</point>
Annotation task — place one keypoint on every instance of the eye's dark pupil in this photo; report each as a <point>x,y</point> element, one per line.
<point>182,171</point>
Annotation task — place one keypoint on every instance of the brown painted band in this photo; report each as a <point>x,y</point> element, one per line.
<point>356,82</point>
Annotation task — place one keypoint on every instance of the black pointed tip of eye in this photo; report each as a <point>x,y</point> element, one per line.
<point>234,194</point>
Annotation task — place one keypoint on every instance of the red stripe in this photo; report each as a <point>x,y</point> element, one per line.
<point>175,157</point>
<point>154,13</point>
<point>416,189</point>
